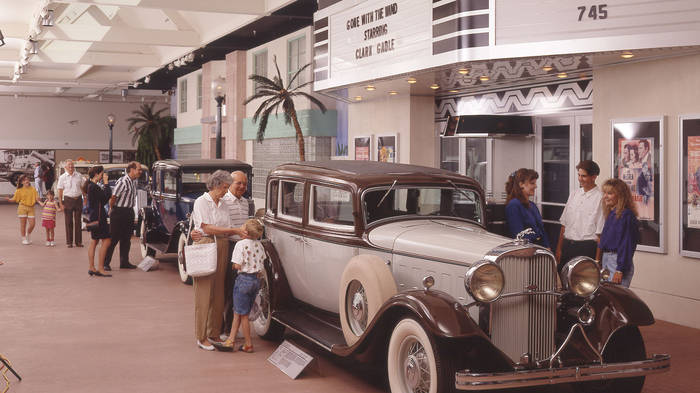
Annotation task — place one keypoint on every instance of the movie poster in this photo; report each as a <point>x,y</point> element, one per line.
<point>386,149</point>
<point>362,148</point>
<point>636,168</point>
<point>694,182</point>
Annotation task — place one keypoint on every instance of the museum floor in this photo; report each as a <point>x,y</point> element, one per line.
<point>65,331</point>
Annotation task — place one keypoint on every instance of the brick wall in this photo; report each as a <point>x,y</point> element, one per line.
<point>276,151</point>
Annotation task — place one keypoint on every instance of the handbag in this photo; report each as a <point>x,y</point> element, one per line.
<point>200,258</point>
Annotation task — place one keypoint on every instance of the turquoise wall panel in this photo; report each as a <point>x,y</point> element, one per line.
<point>312,121</point>
<point>187,135</point>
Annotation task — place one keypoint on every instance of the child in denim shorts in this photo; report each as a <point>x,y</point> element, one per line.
<point>247,258</point>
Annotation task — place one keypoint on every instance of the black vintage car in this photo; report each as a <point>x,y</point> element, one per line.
<point>175,184</point>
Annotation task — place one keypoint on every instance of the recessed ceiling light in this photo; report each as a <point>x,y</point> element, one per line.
<point>393,92</point>
<point>463,71</point>
<point>411,80</point>
<point>434,86</point>
<point>627,55</point>
<point>562,75</point>
<point>484,78</point>
<point>358,98</point>
<point>454,91</point>
<point>370,88</point>
<point>547,68</point>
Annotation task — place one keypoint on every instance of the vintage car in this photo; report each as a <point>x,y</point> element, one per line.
<point>393,262</point>
<point>175,184</point>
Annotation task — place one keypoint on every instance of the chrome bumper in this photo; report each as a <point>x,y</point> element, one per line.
<point>465,380</point>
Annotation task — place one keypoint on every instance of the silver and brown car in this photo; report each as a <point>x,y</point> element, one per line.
<point>394,263</point>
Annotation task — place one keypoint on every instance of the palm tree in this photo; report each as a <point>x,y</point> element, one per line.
<point>151,130</point>
<point>277,94</point>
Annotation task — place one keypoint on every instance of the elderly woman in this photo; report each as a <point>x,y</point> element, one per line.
<point>211,216</point>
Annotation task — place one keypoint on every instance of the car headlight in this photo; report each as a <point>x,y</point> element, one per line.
<point>581,276</point>
<point>484,281</point>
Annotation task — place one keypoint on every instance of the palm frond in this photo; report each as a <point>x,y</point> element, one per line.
<point>263,122</point>
<point>296,74</point>
<point>288,106</point>
<point>265,81</point>
<point>264,106</point>
<point>313,99</point>
<point>279,76</point>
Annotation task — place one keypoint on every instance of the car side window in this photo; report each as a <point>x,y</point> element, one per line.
<point>169,182</point>
<point>331,207</point>
<point>272,194</point>
<point>292,202</point>
<point>114,175</point>
<point>157,180</point>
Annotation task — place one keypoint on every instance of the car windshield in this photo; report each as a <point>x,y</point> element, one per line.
<point>444,201</point>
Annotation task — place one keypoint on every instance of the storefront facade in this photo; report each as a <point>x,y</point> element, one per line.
<point>591,78</point>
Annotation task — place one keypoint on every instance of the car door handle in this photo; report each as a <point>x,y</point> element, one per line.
<point>300,239</point>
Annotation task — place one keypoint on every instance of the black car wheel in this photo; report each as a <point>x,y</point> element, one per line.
<point>145,250</point>
<point>626,345</point>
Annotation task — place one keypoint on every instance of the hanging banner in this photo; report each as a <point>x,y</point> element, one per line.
<point>636,169</point>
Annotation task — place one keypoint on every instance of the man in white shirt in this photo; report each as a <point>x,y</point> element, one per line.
<point>582,220</point>
<point>70,197</point>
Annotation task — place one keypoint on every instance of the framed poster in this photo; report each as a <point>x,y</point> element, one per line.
<point>690,186</point>
<point>117,157</point>
<point>363,148</point>
<point>387,148</point>
<point>638,160</point>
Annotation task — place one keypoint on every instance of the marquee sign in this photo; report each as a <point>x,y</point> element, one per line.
<point>358,41</point>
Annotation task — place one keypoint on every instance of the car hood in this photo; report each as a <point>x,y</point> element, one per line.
<point>452,240</point>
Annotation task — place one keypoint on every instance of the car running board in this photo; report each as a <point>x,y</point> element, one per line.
<point>311,327</point>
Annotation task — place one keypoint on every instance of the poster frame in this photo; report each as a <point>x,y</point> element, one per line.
<point>682,185</point>
<point>371,146</point>
<point>661,181</point>
<point>396,146</point>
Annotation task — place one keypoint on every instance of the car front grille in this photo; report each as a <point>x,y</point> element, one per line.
<point>525,324</point>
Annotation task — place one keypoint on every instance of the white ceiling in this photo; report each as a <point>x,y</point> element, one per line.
<point>96,48</point>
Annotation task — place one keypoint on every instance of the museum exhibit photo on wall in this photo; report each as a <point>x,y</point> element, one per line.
<point>363,148</point>
<point>638,161</point>
<point>387,148</point>
<point>690,186</point>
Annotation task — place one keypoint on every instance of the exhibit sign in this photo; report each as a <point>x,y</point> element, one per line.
<point>363,148</point>
<point>386,148</point>
<point>358,41</point>
<point>689,186</point>
<point>638,158</point>
<point>290,359</point>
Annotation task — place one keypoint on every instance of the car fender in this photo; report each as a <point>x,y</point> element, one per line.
<point>615,307</point>
<point>281,294</point>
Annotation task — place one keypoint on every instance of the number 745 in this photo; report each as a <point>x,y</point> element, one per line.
<point>594,12</point>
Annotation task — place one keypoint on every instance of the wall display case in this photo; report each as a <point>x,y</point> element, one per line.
<point>638,160</point>
<point>690,186</point>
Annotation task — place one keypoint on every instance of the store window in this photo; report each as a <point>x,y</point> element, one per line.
<point>199,91</point>
<point>259,67</point>
<point>586,142</point>
<point>296,58</point>
<point>182,94</point>
<point>466,156</point>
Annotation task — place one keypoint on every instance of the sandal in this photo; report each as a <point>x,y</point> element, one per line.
<point>227,346</point>
<point>246,349</point>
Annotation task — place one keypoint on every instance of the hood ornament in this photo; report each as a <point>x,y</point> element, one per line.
<point>520,237</point>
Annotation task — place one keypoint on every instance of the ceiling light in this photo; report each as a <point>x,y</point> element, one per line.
<point>454,91</point>
<point>562,75</point>
<point>171,66</point>
<point>2,39</point>
<point>370,88</point>
<point>463,71</point>
<point>627,55</point>
<point>411,80</point>
<point>47,19</point>
<point>358,98</point>
<point>147,79</point>
<point>34,49</point>
<point>393,92</point>
<point>484,78</point>
<point>547,68</point>
<point>434,86</point>
<point>21,69</point>
<point>190,57</point>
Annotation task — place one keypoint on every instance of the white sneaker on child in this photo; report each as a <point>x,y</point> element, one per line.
<point>25,241</point>
<point>52,243</point>
<point>48,244</point>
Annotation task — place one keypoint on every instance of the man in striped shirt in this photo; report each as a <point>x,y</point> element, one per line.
<point>121,217</point>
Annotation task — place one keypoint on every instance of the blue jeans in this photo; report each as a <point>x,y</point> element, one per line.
<point>244,291</point>
<point>610,263</point>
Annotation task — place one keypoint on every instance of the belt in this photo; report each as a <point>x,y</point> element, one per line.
<point>578,241</point>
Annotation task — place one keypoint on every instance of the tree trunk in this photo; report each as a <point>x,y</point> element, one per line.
<point>155,149</point>
<point>300,137</point>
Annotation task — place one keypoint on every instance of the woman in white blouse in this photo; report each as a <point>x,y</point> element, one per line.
<point>211,216</point>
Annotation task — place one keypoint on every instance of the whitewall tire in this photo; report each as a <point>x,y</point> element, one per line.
<point>365,285</point>
<point>265,326</point>
<point>181,262</point>
<point>412,361</point>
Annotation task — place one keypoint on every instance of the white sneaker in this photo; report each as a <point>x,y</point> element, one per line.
<point>52,244</point>
<point>205,347</point>
<point>25,241</point>
<point>48,244</point>
<point>29,240</point>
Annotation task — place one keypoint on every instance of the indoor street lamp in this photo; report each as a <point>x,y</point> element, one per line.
<point>110,124</point>
<point>217,87</point>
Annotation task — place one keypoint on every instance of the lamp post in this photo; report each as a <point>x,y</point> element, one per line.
<point>217,87</point>
<point>110,124</point>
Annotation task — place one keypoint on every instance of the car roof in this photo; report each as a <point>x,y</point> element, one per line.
<point>367,173</point>
<point>203,163</point>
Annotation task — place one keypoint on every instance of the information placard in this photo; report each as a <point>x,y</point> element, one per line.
<point>290,359</point>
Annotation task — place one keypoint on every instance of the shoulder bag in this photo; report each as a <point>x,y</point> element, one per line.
<point>200,259</point>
